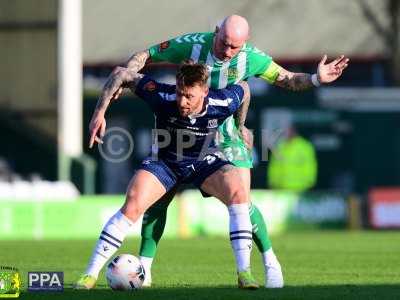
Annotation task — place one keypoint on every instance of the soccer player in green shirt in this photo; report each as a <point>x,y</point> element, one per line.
<point>229,59</point>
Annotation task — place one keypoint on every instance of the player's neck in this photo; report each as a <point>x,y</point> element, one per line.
<point>199,110</point>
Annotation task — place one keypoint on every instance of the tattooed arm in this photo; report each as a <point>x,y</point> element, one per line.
<point>326,73</point>
<point>293,81</point>
<point>120,78</point>
<point>135,63</point>
<point>138,60</point>
<point>241,114</point>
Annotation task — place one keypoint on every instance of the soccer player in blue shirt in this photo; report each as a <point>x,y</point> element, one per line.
<point>189,110</point>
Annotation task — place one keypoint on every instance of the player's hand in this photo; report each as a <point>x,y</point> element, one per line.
<point>247,136</point>
<point>97,128</point>
<point>329,72</point>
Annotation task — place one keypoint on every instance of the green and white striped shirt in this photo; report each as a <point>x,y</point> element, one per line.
<point>250,61</point>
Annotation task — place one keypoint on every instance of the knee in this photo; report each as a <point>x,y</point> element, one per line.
<point>238,195</point>
<point>132,208</point>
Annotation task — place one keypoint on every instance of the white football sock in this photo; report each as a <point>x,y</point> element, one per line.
<point>111,238</point>
<point>240,234</point>
<point>146,263</point>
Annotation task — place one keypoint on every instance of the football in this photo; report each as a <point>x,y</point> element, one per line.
<point>125,272</point>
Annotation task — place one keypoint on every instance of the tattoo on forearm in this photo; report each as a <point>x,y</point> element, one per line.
<point>106,94</point>
<point>123,77</point>
<point>241,114</point>
<point>137,61</point>
<point>294,81</point>
<point>134,82</point>
<point>120,78</point>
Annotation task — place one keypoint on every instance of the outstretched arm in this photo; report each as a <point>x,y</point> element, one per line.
<point>120,78</point>
<point>326,73</point>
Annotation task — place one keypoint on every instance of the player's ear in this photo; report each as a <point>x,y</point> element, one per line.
<point>205,90</point>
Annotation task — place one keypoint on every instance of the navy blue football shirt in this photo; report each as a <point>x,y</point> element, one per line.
<point>187,137</point>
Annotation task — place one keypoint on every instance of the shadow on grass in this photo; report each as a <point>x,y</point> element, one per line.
<point>228,292</point>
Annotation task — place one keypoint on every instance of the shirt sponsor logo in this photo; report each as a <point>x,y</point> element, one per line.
<point>210,159</point>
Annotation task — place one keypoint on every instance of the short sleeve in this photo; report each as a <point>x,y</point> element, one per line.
<point>259,62</point>
<point>173,51</point>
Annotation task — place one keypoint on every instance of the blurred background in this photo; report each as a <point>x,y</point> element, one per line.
<point>56,56</point>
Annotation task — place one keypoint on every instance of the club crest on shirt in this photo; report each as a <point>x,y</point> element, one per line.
<point>192,121</point>
<point>212,123</point>
<point>232,73</point>
<point>163,46</point>
<point>150,86</point>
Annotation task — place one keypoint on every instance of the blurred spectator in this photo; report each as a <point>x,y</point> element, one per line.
<point>293,165</point>
<point>5,170</point>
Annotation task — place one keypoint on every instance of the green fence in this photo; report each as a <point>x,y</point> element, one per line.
<point>190,215</point>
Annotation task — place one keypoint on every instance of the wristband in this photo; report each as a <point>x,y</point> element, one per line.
<point>315,81</point>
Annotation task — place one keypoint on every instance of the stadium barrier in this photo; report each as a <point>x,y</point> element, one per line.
<point>190,216</point>
<point>384,208</point>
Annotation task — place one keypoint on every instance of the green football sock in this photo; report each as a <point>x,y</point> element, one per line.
<point>153,225</point>
<point>260,233</point>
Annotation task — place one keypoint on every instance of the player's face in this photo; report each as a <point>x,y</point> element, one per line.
<point>226,47</point>
<point>190,99</point>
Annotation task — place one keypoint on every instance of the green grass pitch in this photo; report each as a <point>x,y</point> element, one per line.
<point>316,264</point>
